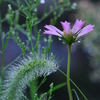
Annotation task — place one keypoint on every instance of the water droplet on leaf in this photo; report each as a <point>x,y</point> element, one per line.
<point>60,38</point>
<point>35,10</point>
<point>79,41</point>
<point>63,42</point>
<point>74,5</point>
<point>42,1</point>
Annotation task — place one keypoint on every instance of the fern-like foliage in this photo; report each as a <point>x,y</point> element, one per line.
<point>20,74</point>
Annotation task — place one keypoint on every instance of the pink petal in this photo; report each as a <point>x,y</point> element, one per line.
<point>52,33</point>
<point>66,26</point>
<point>56,29</point>
<point>77,26</point>
<point>52,30</point>
<point>49,28</point>
<point>86,30</point>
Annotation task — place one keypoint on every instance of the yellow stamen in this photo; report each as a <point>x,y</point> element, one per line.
<point>71,31</point>
<point>64,32</point>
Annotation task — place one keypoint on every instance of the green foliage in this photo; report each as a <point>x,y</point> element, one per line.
<point>50,91</point>
<point>76,94</point>
<point>75,86</point>
<point>47,42</point>
<point>26,71</point>
<point>21,73</point>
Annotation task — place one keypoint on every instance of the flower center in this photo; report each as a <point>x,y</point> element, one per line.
<point>68,34</point>
<point>69,37</point>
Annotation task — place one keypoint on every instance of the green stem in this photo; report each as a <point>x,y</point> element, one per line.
<point>36,37</point>
<point>40,84</point>
<point>30,24</point>
<point>33,87</point>
<point>33,84</point>
<point>2,45</point>
<point>68,73</point>
<point>12,62</point>
<point>58,87</point>
<point>31,38</point>
<point>74,85</point>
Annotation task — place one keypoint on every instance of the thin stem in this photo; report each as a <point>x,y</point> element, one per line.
<point>36,37</point>
<point>2,45</point>
<point>33,87</point>
<point>74,85</point>
<point>68,73</point>
<point>31,38</point>
<point>40,84</point>
<point>33,84</point>
<point>30,24</point>
<point>59,86</point>
<point>12,62</point>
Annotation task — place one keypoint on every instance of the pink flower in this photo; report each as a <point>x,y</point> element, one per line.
<point>70,35</point>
